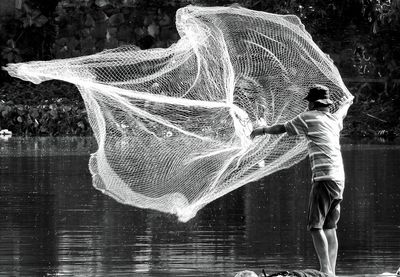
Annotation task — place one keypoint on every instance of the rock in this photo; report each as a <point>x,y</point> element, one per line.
<point>246,273</point>
<point>5,132</point>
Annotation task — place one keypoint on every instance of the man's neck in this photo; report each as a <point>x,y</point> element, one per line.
<point>321,109</point>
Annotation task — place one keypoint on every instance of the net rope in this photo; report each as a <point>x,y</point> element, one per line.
<point>173,124</point>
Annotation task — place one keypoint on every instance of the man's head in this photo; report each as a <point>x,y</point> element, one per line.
<point>318,96</point>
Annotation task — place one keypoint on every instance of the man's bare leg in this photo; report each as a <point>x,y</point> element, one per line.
<point>332,247</point>
<point>321,247</point>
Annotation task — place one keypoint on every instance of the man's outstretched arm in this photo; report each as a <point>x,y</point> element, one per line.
<point>344,103</point>
<point>273,130</point>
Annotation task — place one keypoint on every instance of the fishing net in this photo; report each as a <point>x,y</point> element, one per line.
<point>172,125</point>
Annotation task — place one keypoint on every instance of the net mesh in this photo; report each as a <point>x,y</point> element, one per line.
<point>173,124</point>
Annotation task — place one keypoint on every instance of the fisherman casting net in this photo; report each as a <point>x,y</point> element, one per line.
<point>173,125</point>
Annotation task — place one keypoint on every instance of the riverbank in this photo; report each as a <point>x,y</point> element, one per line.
<point>55,108</point>
<point>49,109</point>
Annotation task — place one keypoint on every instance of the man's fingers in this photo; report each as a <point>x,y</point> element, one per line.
<point>254,133</point>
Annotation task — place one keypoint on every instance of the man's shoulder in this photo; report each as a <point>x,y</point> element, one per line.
<point>313,114</point>
<point>308,114</point>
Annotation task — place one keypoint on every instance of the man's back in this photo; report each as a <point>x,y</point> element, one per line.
<point>322,130</point>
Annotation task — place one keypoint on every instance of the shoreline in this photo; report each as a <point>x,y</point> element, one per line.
<point>56,108</point>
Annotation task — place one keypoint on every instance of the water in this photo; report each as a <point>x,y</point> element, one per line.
<point>54,223</point>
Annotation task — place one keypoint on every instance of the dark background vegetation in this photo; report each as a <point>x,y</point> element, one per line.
<point>361,36</point>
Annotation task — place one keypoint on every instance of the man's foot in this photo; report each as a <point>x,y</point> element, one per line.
<point>329,273</point>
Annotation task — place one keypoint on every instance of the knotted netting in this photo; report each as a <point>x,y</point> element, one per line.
<point>173,125</point>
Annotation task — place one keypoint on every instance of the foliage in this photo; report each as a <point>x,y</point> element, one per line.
<point>384,44</point>
<point>29,35</point>
<point>383,15</point>
<point>31,110</point>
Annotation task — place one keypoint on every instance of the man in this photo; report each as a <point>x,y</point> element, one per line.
<point>322,130</point>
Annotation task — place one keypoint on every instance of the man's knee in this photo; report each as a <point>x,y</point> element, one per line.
<point>314,229</point>
<point>333,217</point>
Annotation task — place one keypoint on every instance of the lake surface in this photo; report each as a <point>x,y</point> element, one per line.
<point>54,223</point>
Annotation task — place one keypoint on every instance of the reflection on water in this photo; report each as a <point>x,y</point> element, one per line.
<point>54,223</point>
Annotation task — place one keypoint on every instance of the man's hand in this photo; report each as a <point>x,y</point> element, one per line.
<point>274,130</point>
<point>345,99</point>
<point>257,132</point>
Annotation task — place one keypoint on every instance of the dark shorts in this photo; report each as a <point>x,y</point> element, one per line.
<point>323,206</point>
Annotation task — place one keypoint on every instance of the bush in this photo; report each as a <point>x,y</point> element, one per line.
<point>46,109</point>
